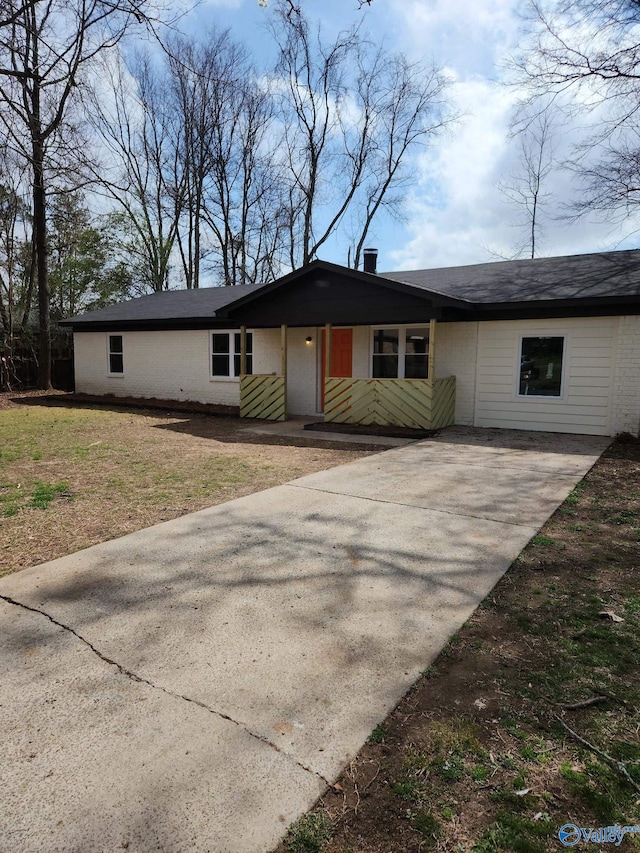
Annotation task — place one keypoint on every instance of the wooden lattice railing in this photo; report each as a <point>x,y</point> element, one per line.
<point>263,396</point>
<point>417,403</point>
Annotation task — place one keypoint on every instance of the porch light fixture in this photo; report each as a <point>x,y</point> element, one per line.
<point>308,340</point>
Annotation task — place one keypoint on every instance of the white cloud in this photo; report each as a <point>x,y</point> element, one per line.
<point>467,35</point>
<point>452,210</point>
<point>456,213</point>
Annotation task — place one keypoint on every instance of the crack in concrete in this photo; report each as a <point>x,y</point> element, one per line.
<point>415,506</point>
<point>132,676</point>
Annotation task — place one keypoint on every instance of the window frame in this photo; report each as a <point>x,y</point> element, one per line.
<point>232,376</point>
<point>402,346</point>
<point>120,373</point>
<point>565,349</point>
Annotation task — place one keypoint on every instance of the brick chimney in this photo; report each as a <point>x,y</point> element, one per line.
<point>370,260</point>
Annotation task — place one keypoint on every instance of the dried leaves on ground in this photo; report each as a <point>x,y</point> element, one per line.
<point>72,476</point>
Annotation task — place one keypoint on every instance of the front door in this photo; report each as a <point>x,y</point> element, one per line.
<point>341,356</point>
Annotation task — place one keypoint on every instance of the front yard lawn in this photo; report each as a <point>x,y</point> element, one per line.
<point>74,476</point>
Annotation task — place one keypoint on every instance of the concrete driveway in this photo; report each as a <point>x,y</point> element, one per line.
<point>196,685</point>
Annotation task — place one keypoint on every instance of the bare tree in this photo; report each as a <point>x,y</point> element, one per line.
<point>612,183</point>
<point>349,116</point>
<point>243,196</point>
<point>44,49</point>
<point>583,42</point>
<point>585,54</point>
<point>407,100</point>
<point>323,165</point>
<point>194,74</point>
<point>527,186</point>
<point>134,122</point>
<point>16,288</point>
<point>231,198</point>
<point>292,9</point>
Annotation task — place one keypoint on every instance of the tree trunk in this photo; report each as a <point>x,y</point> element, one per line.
<point>40,243</point>
<point>30,282</point>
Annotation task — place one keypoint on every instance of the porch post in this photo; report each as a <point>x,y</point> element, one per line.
<point>432,349</point>
<point>243,350</point>
<point>327,350</point>
<point>283,367</point>
<point>283,351</point>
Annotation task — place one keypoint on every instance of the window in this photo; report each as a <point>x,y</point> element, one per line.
<point>116,355</point>
<point>385,354</point>
<point>541,367</point>
<point>416,357</point>
<point>400,353</point>
<point>225,354</point>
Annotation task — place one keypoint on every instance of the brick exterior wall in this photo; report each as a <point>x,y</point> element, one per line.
<point>302,371</point>
<point>175,365</point>
<point>456,347</point>
<point>169,365</point>
<point>266,351</point>
<point>626,385</point>
<point>361,352</point>
<point>302,365</point>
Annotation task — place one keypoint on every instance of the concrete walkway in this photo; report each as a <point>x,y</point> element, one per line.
<point>194,686</point>
<point>295,428</point>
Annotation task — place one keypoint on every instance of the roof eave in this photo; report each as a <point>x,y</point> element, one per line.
<point>609,305</point>
<point>142,325</point>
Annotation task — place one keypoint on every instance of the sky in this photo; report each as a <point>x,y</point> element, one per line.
<point>455,212</point>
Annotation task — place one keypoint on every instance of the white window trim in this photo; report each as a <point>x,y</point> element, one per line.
<point>402,344</point>
<point>108,342</point>
<point>233,377</point>
<point>565,353</point>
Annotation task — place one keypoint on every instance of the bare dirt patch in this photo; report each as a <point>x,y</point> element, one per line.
<point>530,717</point>
<point>71,477</point>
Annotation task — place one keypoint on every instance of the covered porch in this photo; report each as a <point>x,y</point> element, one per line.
<point>357,351</point>
<point>418,403</point>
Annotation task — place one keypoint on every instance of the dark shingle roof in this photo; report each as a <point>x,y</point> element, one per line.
<point>605,274</point>
<point>169,305</point>
<point>574,279</point>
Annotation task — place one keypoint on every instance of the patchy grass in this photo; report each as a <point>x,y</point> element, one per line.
<point>44,493</point>
<point>309,834</point>
<point>72,477</point>
<point>377,735</point>
<point>530,717</point>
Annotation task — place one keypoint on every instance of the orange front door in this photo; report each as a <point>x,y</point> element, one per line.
<point>341,356</point>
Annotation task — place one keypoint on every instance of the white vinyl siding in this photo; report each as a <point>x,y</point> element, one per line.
<point>589,364</point>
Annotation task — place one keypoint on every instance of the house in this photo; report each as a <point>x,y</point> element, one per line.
<point>543,344</point>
